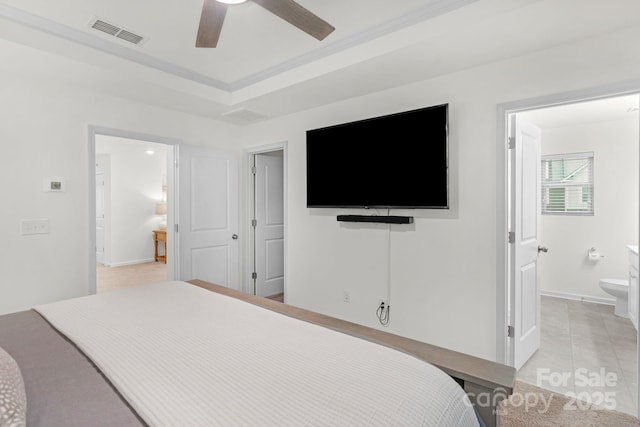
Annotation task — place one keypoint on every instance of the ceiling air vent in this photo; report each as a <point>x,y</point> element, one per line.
<point>130,37</point>
<point>244,115</point>
<point>115,30</point>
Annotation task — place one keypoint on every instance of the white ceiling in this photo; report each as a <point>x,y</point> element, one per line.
<point>106,144</point>
<point>267,66</point>
<point>607,109</point>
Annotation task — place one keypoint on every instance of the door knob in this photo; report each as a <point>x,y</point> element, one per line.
<point>543,249</point>
<point>234,237</point>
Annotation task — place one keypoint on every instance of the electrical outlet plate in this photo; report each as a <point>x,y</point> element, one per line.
<point>346,295</point>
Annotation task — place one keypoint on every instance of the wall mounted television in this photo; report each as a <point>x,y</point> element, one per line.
<point>397,161</point>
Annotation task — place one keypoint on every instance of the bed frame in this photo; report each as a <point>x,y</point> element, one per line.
<point>486,383</point>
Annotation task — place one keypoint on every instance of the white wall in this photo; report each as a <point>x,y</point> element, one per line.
<point>565,268</point>
<point>135,182</point>
<point>443,269</point>
<point>43,133</point>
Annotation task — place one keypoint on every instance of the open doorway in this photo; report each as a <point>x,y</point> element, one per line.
<point>588,220</point>
<point>134,202</point>
<point>131,207</point>
<point>266,254</point>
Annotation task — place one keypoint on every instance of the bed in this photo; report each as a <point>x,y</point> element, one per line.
<point>198,354</point>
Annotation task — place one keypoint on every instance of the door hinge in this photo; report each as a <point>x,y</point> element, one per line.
<point>175,228</point>
<point>511,237</point>
<point>510,331</point>
<point>253,170</point>
<point>511,142</point>
<point>254,275</point>
<point>254,223</point>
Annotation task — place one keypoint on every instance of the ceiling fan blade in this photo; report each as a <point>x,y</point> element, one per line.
<point>298,16</point>
<point>211,20</point>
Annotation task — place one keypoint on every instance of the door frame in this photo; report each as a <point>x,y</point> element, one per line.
<point>248,155</point>
<point>172,192</point>
<point>502,196</point>
<point>101,173</point>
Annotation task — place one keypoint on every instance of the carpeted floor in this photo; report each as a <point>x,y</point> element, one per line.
<point>276,297</point>
<point>531,406</point>
<point>111,278</point>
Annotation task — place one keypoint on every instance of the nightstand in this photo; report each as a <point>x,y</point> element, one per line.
<point>160,236</point>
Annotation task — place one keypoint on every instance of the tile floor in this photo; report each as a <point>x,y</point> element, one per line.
<point>583,341</point>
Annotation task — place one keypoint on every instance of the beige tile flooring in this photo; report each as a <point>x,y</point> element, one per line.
<point>585,342</point>
<point>111,278</point>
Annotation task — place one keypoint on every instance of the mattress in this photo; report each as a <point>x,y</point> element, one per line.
<point>172,354</point>
<point>63,387</point>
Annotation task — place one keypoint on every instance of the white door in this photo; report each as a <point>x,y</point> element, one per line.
<point>208,216</point>
<point>525,240</point>
<point>100,217</point>
<point>269,224</point>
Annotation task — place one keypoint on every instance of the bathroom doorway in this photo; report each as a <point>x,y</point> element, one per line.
<point>589,203</point>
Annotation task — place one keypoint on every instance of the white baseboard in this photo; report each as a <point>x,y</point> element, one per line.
<point>123,263</point>
<point>578,297</point>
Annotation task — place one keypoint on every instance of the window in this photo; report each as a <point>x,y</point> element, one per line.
<point>567,184</point>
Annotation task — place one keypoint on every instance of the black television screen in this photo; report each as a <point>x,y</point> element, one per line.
<point>394,161</point>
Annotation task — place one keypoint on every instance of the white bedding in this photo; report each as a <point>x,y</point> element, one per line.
<point>185,356</point>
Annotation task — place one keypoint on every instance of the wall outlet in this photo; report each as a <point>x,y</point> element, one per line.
<point>346,295</point>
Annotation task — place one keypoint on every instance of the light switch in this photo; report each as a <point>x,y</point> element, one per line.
<point>34,226</point>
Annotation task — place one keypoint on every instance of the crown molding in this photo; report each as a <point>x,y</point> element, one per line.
<point>71,34</point>
<point>424,13</point>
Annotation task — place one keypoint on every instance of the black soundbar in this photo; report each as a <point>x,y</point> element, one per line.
<point>375,218</point>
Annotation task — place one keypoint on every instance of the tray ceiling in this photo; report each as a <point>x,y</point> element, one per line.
<point>264,65</point>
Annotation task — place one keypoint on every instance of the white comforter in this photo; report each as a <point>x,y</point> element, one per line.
<point>185,356</point>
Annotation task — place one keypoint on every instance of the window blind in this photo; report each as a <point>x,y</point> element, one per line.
<point>567,184</point>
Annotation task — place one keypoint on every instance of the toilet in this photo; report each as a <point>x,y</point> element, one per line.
<point>618,288</point>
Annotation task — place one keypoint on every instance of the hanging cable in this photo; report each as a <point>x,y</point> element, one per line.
<point>383,313</point>
<point>383,310</point>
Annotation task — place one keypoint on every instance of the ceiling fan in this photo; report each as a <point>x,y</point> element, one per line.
<point>214,11</point>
